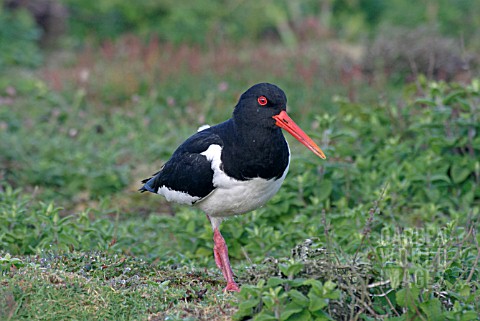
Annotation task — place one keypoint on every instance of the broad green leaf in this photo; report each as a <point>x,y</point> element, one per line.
<point>459,172</point>
<point>329,286</point>
<point>298,297</point>
<point>321,315</point>
<point>295,283</point>
<point>290,308</point>
<point>291,269</point>
<point>470,316</point>
<point>440,177</point>
<point>465,290</point>
<point>248,304</point>
<point>268,301</point>
<point>264,316</point>
<point>301,316</point>
<point>433,309</point>
<point>408,297</point>
<point>274,281</point>
<point>324,189</point>
<point>203,251</point>
<point>315,284</point>
<point>316,302</point>
<point>452,97</point>
<point>395,275</point>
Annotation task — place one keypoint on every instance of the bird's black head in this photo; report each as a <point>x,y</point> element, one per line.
<point>263,107</point>
<point>259,104</point>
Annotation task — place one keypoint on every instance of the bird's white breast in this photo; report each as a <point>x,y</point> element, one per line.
<point>232,196</point>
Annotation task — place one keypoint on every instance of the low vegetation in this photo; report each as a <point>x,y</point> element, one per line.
<point>385,229</point>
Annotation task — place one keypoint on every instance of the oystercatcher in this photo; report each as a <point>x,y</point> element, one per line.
<point>233,167</point>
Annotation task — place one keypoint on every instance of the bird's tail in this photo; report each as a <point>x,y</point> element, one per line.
<point>146,187</point>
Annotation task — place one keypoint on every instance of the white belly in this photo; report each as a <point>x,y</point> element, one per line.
<point>232,196</point>
<point>239,197</point>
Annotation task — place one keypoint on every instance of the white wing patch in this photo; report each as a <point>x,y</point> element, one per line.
<point>176,196</point>
<point>213,155</point>
<point>203,127</point>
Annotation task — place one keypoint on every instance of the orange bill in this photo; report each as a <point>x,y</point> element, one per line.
<point>284,121</point>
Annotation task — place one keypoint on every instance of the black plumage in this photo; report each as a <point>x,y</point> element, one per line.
<point>234,167</point>
<point>252,146</point>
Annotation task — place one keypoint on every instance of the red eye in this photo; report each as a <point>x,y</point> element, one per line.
<point>262,100</point>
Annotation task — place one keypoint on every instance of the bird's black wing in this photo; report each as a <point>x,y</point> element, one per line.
<point>187,170</point>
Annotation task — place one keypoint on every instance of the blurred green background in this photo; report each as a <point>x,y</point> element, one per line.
<point>96,95</point>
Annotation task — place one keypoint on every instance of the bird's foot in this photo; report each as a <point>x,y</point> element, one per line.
<point>232,286</point>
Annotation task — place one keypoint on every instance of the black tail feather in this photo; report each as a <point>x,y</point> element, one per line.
<point>146,187</point>
<point>143,189</point>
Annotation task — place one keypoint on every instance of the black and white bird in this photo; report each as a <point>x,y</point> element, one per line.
<point>233,167</point>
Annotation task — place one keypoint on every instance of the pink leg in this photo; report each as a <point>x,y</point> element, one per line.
<point>218,261</point>
<point>220,251</point>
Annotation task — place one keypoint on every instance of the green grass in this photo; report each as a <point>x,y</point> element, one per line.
<point>385,228</point>
<point>94,285</point>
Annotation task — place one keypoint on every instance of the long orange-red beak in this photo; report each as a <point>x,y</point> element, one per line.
<point>284,121</point>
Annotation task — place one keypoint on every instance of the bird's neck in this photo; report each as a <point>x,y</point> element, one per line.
<point>255,151</point>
